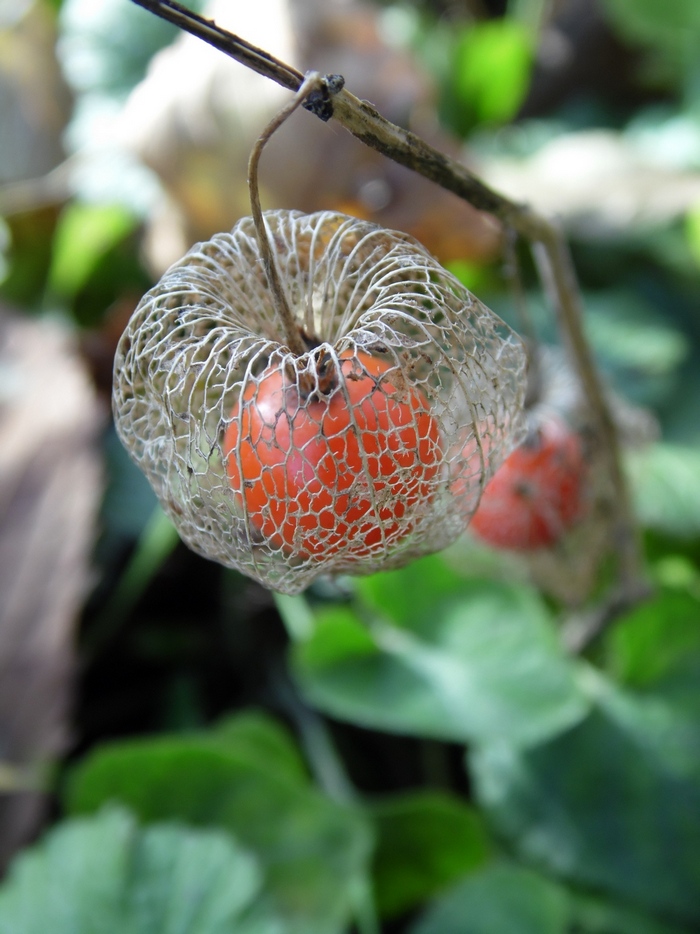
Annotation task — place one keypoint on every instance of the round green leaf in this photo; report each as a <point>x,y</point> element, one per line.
<point>613,804</point>
<point>105,875</point>
<point>442,657</point>
<point>664,479</point>
<point>84,235</point>
<point>263,740</point>
<point>314,852</point>
<point>658,640</point>
<point>425,841</point>
<point>497,900</point>
<point>492,69</point>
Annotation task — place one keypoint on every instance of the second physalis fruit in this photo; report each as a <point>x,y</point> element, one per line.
<point>538,493</point>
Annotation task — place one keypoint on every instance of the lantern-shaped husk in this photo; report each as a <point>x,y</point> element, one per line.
<point>423,383</point>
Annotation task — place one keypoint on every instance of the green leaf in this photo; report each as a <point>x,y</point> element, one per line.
<point>264,741</point>
<point>657,639</point>
<point>505,898</point>
<point>84,234</point>
<point>442,657</point>
<point>493,61</point>
<point>410,597</point>
<point>338,637</point>
<point>614,804</point>
<point>105,875</point>
<point>664,479</point>
<point>591,915</point>
<point>692,231</point>
<point>671,31</point>
<point>501,899</point>
<point>314,851</point>
<point>629,333</point>
<point>425,841</point>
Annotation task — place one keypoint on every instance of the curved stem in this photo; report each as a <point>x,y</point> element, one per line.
<point>556,271</point>
<point>295,341</point>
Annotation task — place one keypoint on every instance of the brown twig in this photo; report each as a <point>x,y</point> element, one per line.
<point>557,273</point>
<point>549,246</point>
<point>362,120</point>
<point>223,40</point>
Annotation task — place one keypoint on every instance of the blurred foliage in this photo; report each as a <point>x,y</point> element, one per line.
<point>659,642</point>
<point>106,47</point>
<point>664,479</point>
<point>84,234</point>
<point>460,659</point>
<point>670,33</point>
<point>108,874</point>
<point>605,804</point>
<point>500,898</point>
<point>414,752</point>
<point>245,780</point>
<point>425,841</point>
<point>490,73</point>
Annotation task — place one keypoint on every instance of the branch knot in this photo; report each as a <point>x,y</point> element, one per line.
<point>319,101</point>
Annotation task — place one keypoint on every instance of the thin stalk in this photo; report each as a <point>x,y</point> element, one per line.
<point>511,273</point>
<point>556,271</point>
<point>295,341</point>
<point>244,52</point>
<point>361,119</point>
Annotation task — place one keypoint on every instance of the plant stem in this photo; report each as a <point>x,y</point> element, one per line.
<point>364,122</point>
<point>556,271</point>
<point>550,250</point>
<point>223,40</point>
<point>312,82</point>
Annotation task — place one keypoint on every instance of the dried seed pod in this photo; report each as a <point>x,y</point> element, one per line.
<point>365,452</point>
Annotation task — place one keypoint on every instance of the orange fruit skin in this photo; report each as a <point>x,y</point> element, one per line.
<point>537,494</point>
<point>341,474</point>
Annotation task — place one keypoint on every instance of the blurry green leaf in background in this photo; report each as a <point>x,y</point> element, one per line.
<point>664,480</point>
<point>242,779</point>
<point>497,900</point>
<point>85,232</point>
<point>659,641</point>
<point>106,874</point>
<point>425,841</point>
<point>491,70</point>
<point>262,740</point>
<point>427,652</point>
<point>692,231</point>
<point>607,804</point>
<point>504,897</point>
<point>634,340</point>
<point>670,30</point>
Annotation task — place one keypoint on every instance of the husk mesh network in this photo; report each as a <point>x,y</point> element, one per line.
<point>362,454</point>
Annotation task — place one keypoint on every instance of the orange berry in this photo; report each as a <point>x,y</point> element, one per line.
<point>538,492</point>
<point>342,470</point>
